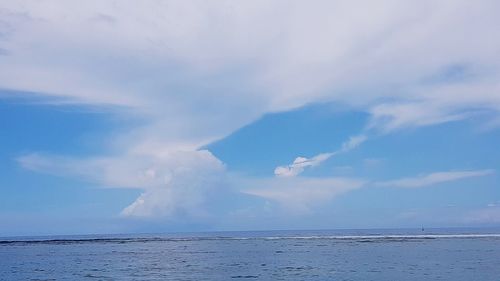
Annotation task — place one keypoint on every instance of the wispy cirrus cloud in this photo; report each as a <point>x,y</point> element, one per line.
<point>434,178</point>
<point>393,116</point>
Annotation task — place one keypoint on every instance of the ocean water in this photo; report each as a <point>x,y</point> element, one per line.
<point>437,254</point>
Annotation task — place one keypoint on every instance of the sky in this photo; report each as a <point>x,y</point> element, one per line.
<point>159,116</point>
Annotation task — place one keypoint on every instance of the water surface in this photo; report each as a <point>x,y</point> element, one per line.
<point>274,255</point>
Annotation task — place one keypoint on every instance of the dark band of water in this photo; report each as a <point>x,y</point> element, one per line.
<point>356,238</point>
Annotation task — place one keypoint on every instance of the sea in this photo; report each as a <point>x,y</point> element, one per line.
<point>385,254</point>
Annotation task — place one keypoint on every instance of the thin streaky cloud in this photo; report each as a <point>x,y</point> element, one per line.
<point>301,163</point>
<point>434,178</point>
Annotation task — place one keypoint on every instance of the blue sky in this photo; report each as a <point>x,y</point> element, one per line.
<point>115,118</point>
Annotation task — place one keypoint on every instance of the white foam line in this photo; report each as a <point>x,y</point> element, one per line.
<point>399,236</point>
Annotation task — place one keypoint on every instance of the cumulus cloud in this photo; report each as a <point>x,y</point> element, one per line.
<point>195,71</point>
<point>172,183</point>
<point>300,163</point>
<point>301,194</point>
<point>434,178</point>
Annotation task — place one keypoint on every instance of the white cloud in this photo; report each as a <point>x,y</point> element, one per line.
<point>389,117</point>
<point>213,67</point>
<point>300,163</point>
<point>172,183</point>
<point>195,71</point>
<point>179,182</point>
<point>301,194</point>
<point>353,142</point>
<point>434,178</point>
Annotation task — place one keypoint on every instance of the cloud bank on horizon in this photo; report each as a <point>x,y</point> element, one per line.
<point>196,71</point>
